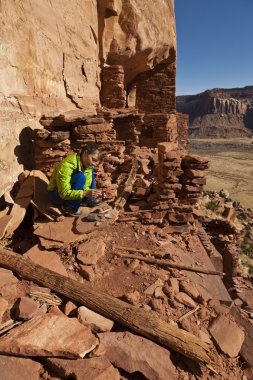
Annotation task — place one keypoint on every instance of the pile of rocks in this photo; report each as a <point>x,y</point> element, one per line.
<point>113,94</point>
<point>193,179</point>
<point>169,170</point>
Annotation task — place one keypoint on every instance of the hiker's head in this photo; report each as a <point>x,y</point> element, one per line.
<point>90,154</point>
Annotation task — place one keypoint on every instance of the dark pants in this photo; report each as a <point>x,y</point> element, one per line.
<point>77,183</point>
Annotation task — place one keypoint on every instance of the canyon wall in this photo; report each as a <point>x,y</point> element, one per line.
<point>219,112</point>
<point>54,54</point>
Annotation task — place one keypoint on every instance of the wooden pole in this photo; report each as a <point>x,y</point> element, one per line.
<point>169,264</point>
<point>142,322</point>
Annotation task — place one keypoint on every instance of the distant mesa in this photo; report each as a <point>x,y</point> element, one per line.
<point>219,112</point>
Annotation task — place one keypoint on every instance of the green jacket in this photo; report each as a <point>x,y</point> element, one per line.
<point>62,174</point>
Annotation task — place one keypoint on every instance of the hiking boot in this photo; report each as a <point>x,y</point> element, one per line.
<point>92,203</point>
<point>70,211</point>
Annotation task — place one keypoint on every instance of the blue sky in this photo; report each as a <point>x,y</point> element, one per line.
<point>214,44</point>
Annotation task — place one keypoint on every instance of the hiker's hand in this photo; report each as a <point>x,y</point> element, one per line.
<point>92,193</point>
<point>96,193</point>
<point>87,193</point>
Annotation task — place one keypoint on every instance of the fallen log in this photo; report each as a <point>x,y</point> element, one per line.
<point>146,324</point>
<point>128,187</point>
<point>169,264</point>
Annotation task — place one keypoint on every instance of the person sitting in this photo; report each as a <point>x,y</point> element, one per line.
<point>72,182</point>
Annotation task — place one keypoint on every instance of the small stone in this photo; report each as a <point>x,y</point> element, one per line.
<point>174,284</point>
<point>27,308</point>
<point>87,272</point>
<point>70,309</point>
<point>108,216</point>
<point>189,289</point>
<point>97,321</point>
<point>133,298</point>
<point>159,292</point>
<point>185,299</point>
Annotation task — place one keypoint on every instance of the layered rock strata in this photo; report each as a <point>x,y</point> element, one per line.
<point>219,112</point>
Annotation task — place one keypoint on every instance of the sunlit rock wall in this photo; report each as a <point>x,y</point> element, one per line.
<point>51,56</point>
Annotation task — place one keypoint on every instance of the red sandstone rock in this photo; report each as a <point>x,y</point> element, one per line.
<point>49,335</point>
<point>133,297</point>
<point>47,259</point>
<point>227,334</point>
<point>89,253</point>
<point>185,299</point>
<point>174,283</point>
<point>3,307</point>
<point>27,308</point>
<point>191,173</point>
<point>96,321</point>
<point>70,308</point>
<point>189,288</point>
<point>84,369</point>
<point>176,218</point>
<point>12,368</point>
<point>87,272</point>
<point>194,158</point>
<point>136,354</point>
<point>168,148</point>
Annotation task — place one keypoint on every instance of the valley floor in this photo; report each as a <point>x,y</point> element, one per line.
<point>231,166</point>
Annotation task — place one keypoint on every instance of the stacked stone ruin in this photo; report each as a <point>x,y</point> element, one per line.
<point>170,179</point>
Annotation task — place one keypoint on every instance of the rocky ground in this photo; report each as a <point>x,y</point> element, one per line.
<point>46,336</point>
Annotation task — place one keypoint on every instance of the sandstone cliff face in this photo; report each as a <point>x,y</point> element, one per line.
<point>52,54</point>
<point>219,112</point>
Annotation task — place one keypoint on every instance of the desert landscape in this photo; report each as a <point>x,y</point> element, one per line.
<point>116,262</point>
<point>231,166</point>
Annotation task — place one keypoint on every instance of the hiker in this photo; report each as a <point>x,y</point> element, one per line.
<point>72,183</point>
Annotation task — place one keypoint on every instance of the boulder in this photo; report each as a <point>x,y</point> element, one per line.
<point>49,335</point>
<point>227,335</point>
<point>98,322</point>
<point>136,354</point>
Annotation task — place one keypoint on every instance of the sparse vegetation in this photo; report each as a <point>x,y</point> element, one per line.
<point>212,206</point>
<point>247,247</point>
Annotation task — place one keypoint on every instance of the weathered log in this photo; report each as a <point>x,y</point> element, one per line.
<point>169,264</point>
<point>121,200</point>
<point>146,324</point>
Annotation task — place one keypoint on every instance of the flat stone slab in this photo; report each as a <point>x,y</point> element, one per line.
<point>137,354</point>
<point>84,369</point>
<point>208,286</point>
<point>227,334</point>
<point>55,234</point>
<point>46,259</point>
<point>12,368</point>
<point>49,335</point>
